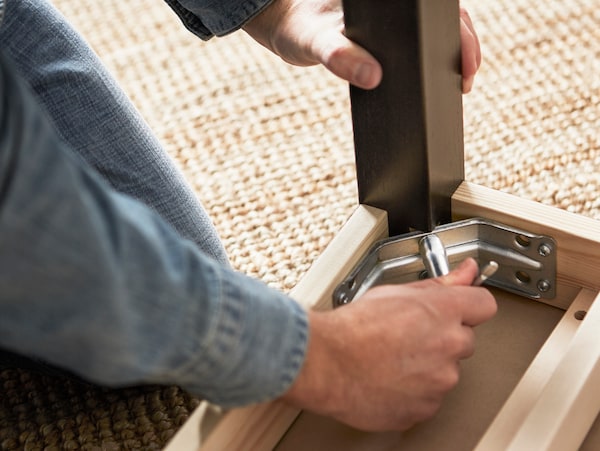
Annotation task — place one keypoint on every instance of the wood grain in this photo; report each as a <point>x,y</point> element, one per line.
<point>529,389</point>
<point>577,237</point>
<point>570,401</point>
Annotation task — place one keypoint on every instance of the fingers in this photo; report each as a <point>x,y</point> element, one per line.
<point>466,19</point>
<point>470,50</point>
<point>467,348</point>
<point>477,305</point>
<point>463,274</point>
<point>354,64</point>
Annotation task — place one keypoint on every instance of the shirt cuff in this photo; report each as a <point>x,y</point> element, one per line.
<point>256,347</point>
<point>207,18</point>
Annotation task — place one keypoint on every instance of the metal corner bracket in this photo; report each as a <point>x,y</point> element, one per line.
<point>526,261</point>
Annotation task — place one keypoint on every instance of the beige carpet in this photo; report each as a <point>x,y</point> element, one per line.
<point>268,148</point>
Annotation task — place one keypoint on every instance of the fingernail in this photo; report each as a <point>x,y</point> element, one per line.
<point>363,75</point>
<point>463,264</point>
<point>467,84</point>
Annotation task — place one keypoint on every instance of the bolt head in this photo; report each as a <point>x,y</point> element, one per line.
<point>544,285</point>
<point>545,249</point>
<point>342,299</point>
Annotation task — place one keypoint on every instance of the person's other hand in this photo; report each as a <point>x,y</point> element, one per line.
<point>308,32</point>
<point>385,361</point>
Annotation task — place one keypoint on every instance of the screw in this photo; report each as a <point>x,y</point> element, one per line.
<point>545,249</point>
<point>544,285</point>
<point>342,299</point>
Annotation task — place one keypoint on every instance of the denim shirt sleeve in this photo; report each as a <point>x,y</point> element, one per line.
<point>95,282</point>
<point>207,18</point>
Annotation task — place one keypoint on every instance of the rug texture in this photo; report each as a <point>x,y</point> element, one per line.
<point>268,149</point>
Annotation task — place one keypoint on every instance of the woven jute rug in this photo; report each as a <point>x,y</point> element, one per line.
<point>268,149</point>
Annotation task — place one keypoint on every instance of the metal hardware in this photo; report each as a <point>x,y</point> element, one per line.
<point>434,255</point>
<point>526,261</point>
<point>486,272</point>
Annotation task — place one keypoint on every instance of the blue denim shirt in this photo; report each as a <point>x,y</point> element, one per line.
<point>96,282</point>
<point>207,18</point>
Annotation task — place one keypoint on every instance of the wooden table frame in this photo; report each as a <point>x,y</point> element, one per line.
<point>561,380</point>
<point>556,401</point>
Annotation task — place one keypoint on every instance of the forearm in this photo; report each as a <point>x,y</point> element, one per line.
<point>95,282</point>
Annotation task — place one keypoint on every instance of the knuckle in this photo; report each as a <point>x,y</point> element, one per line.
<point>428,409</point>
<point>459,343</point>
<point>452,378</point>
<point>333,54</point>
<point>447,379</point>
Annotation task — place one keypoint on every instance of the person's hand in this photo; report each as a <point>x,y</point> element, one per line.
<point>308,32</point>
<point>385,361</point>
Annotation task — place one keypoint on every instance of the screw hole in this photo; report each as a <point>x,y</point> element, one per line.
<point>523,277</point>
<point>522,241</point>
<point>580,314</point>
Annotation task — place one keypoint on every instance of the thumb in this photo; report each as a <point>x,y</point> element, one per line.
<point>347,60</point>
<point>477,304</point>
<point>463,274</point>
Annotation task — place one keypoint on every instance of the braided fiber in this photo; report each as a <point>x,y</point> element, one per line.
<point>268,149</point>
